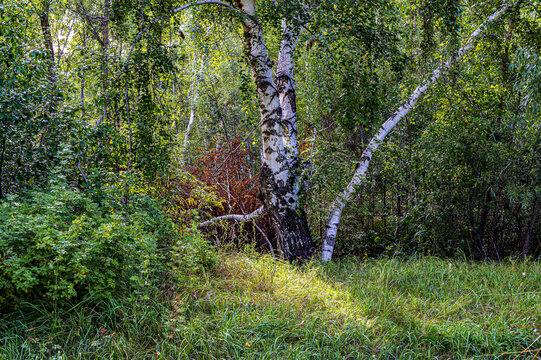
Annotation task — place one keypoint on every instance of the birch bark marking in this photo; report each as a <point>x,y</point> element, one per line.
<point>279,185</point>
<point>333,220</point>
<point>285,84</point>
<point>269,102</point>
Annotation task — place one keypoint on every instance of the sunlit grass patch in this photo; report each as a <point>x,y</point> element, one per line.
<point>275,309</point>
<point>253,307</point>
<point>265,282</point>
<point>462,308</point>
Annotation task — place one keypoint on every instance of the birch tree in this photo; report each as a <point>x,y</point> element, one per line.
<point>280,169</point>
<point>281,165</point>
<point>362,166</point>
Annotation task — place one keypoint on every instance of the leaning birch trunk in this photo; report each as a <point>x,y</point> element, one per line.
<point>333,220</point>
<point>279,184</point>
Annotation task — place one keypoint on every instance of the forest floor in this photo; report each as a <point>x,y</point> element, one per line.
<point>252,307</point>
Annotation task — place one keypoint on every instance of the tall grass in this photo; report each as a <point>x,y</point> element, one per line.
<point>252,307</point>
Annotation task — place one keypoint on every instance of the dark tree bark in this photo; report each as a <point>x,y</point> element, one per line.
<point>492,244</point>
<point>529,231</point>
<point>479,251</point>
<point>105,55</point>
<point>47,38</point>
<point>2,167</point>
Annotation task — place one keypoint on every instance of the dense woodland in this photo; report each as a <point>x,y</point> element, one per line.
<point>141,138</point>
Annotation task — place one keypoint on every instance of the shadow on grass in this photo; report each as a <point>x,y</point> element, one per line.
<point>257,308</point>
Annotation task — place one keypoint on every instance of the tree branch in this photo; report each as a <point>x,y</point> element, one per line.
<point>271,248</point>
<point>237,218</point>
<point>205,3</point>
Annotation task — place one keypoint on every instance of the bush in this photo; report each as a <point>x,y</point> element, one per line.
<point>59,244</point>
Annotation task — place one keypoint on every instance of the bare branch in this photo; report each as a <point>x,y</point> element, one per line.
<point>237,218</point>
<point>235,149</point>
<point>205,3</point>
<point>271,248</point>
<point>81,11</point>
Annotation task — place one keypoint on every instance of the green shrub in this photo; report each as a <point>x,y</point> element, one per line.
<point>59,244</point>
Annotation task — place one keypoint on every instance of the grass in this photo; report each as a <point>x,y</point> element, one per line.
<point>256,308</point>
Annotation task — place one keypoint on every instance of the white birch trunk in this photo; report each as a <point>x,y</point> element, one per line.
<point>285,84</point>
<point>192,96</point>
<point>279,184</point>
<point>333,220</point>
<point>188,130</point>
<point>191,119</point>
<point>271,126</point>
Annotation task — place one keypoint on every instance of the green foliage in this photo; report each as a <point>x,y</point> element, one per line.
<point>192,257</point>
<point>446,14</point>
<point>59,244</point>
<point>528,69</point>
<point>113,114</point>
<point>31,126</point>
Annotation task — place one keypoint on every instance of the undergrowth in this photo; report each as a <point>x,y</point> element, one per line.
<point>252,307</point>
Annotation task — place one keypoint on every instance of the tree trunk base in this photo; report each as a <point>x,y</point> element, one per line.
<point>295,237</point>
